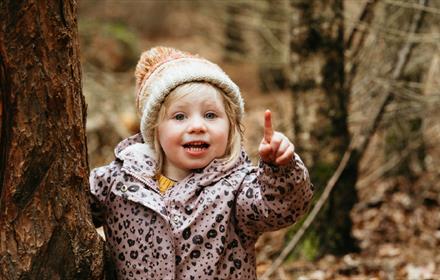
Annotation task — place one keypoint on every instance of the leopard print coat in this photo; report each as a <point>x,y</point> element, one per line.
<point>204,227</point>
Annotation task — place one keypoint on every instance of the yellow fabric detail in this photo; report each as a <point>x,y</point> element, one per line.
<point>164,183</point>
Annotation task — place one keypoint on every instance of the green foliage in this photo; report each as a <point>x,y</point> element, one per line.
<point>308,248</point>
<point>120,32</point>
<point>321,173</point>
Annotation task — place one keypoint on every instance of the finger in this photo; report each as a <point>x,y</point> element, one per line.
<point>268,130</point>
<point>286,157</point>
<point>282,148</point>
<point>265,150</point>
<point>275,143</point>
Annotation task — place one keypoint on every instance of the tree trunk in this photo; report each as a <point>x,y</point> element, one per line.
<point>235,43</point>
<point>320,118</point>
<point>45,227</point>
<point>274,50</point>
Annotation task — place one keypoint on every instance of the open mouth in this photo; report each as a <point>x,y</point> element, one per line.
<point>196,146</point>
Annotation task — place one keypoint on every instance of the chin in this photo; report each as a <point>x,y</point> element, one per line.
<point>198,165</point>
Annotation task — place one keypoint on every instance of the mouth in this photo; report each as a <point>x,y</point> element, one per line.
<point>196,146</point>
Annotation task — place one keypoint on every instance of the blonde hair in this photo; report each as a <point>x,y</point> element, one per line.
<point>232,111</point>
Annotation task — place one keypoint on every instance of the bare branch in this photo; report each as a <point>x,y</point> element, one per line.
<point>397,34</point>
<point>360,34</point>
<point>387,97</point>
<point>390,164</point>
<point>354,149</point>
<point>413,6</point>
<point>365,17</point>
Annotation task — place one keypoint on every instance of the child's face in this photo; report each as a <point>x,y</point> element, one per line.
<point>193,132</point>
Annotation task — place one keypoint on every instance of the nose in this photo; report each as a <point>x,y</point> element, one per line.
<point>196,125</point>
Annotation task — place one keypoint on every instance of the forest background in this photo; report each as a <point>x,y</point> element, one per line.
<point>355,84</point>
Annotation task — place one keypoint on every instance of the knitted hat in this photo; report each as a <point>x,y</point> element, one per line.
<point>162,69</point>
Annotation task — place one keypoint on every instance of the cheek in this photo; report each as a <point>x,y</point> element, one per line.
<point>169,137</point>
<point>167,145</point>
<point>224,137</point>
<point>164,135</point>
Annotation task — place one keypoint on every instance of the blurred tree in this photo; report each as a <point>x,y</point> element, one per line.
<point>235,44</point>
<point>45,225</point>
<point>320,118</point>
<point>401,135</point>
<point>322,89</point>
<point>274,37</point>
<point>431,123</point>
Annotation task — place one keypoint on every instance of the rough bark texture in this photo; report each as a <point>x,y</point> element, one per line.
<point>320,120</point>
<point>45,225</point>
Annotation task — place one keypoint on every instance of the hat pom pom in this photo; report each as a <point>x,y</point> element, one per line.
<point>149,61</point>
<point>154,57</point>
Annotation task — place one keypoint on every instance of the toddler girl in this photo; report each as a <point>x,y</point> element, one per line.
<point>182,200</point>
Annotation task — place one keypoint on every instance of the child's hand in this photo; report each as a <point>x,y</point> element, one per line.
<point>275,148</point>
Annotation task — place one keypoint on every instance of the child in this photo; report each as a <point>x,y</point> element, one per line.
<point>182,200</point>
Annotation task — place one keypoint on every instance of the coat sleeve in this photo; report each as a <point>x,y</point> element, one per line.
<point>272,197</point>
<point>100,184</point>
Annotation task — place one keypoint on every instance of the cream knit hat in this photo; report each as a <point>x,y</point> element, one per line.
<point>162,69</point>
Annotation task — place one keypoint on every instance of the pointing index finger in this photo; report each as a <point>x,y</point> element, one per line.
<point>268,131</point>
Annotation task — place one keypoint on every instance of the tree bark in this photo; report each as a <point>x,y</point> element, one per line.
<point>45,226</point>
<point>320,118</point>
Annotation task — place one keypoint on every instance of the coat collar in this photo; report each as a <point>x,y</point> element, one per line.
<point>138,158</point>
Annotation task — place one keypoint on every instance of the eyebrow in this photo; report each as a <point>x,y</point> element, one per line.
<point>179,106</point>
<point>185,104</point>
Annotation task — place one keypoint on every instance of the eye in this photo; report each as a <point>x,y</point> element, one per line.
<point>179,117</point>
<point>210,115</point>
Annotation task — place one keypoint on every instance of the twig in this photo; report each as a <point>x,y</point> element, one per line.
<point>397,34</point>
<point>365,17</point>
<point>403,57</point>
<point>390,164</point>
<point>414,6</point>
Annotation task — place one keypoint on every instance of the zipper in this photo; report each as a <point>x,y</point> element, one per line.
<point>142,179</point>
<point>173,243</point>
